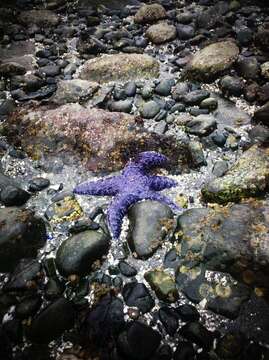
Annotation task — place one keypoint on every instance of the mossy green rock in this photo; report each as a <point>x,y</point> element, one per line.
<point>120,67</point>
<point>248,177</point>
<point>163,284</point>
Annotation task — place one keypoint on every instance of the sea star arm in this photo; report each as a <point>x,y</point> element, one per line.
<point>116,211</point>
<point>158,183</point>
<point>102,187</point>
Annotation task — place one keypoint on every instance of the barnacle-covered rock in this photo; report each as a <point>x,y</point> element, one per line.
<point>102,140</point>
<point>232,239</point>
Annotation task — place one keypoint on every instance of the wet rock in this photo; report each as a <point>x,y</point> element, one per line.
<point>28,306</point>
<point>41,18</point>
<point>184,351</point>
<point>171,259</point>
<point>201,125</point>
<point>137,295</point>
<point>65,208</point>
<point>209,103</point>
<point>163,353</point>
<point>263,93</point>
<point>222,240</point>
<point>12,195</point>
<point>44,328</point>
<point>53,289</point>
<point>44,92</point>
<point>185,32</point>
<point>71,91</point>
<point>121,106</point>
<point>130,89</point>
<point>138,341</point>
<point>146,222</point>
<point>195,97</point>
<point>230,346</point>
<point>231,86</point>
<point>150,13</point>
<point>161,33</point>
<point>50,70</point>
<point>38,184</point>
<point>78,253</point>
<point>259,134</point>
<point>261,115</point>
<point>169,319</point>
<point>99,139</point>
<point>163,284</point>
<point>248,177</point>
<point>197,154</point>
<point>149,109</point>
<point>21,235</point>
<point>212,60</point>
<point>7,107</point>
<point>248,67</point>
<point>11,68</point>
<point>24,276</point>
<point>265,70</point>
<point>188,313</point>
<point>164,87</point>
<point>105,319</point>
<point>229,114</point>
<point>119,67</point>
<point>220,168</point>
<point>126,269</point>
<point>197,333</point>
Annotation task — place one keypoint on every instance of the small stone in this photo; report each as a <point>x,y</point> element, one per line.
<point>14,196</point>
<point>21,235</point>
<point>130,89</point>
<point>44,328</point>
<point>197,333</point>
<point>38,184</point>
<point>209,103</point>
<point>149,109</point>
<point>202,125</point>
<point>265,70</point>
<point>138,341</point>
<point>169,319</point>
<point>262,114</point>
<point>78,253</point>
<point>220,168</point>
<point>248,67</point>
<point>184,351</point>
<point>164,87</point>
<point>147,219</point>
<point>185,32</point>
<point>163,284</point>
<point>150,13</point>
<point>231,86</point>
<point>137,295</point>
<point>50,70</point>
<point>121,106</point>
<point>197,154</point>
<point>161,33</point>
<point>188,313</point>
<point>195,97</point>
<point>126,269</point>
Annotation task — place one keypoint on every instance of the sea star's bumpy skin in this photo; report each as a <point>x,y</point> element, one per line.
<point>132,185</point>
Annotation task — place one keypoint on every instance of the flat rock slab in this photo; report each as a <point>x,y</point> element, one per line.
<point>119,67</point>
<point>18,48</point>
<point>212,60</point>
<point>249,176</point>
<point>38,17</point>
<point>102,140</point>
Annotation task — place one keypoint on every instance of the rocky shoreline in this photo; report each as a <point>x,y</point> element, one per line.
<point>84,87</point>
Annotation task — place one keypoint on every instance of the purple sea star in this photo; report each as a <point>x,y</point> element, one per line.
<point>134,184</point>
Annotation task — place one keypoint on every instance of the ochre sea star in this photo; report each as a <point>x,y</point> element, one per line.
<point>135,183</point>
